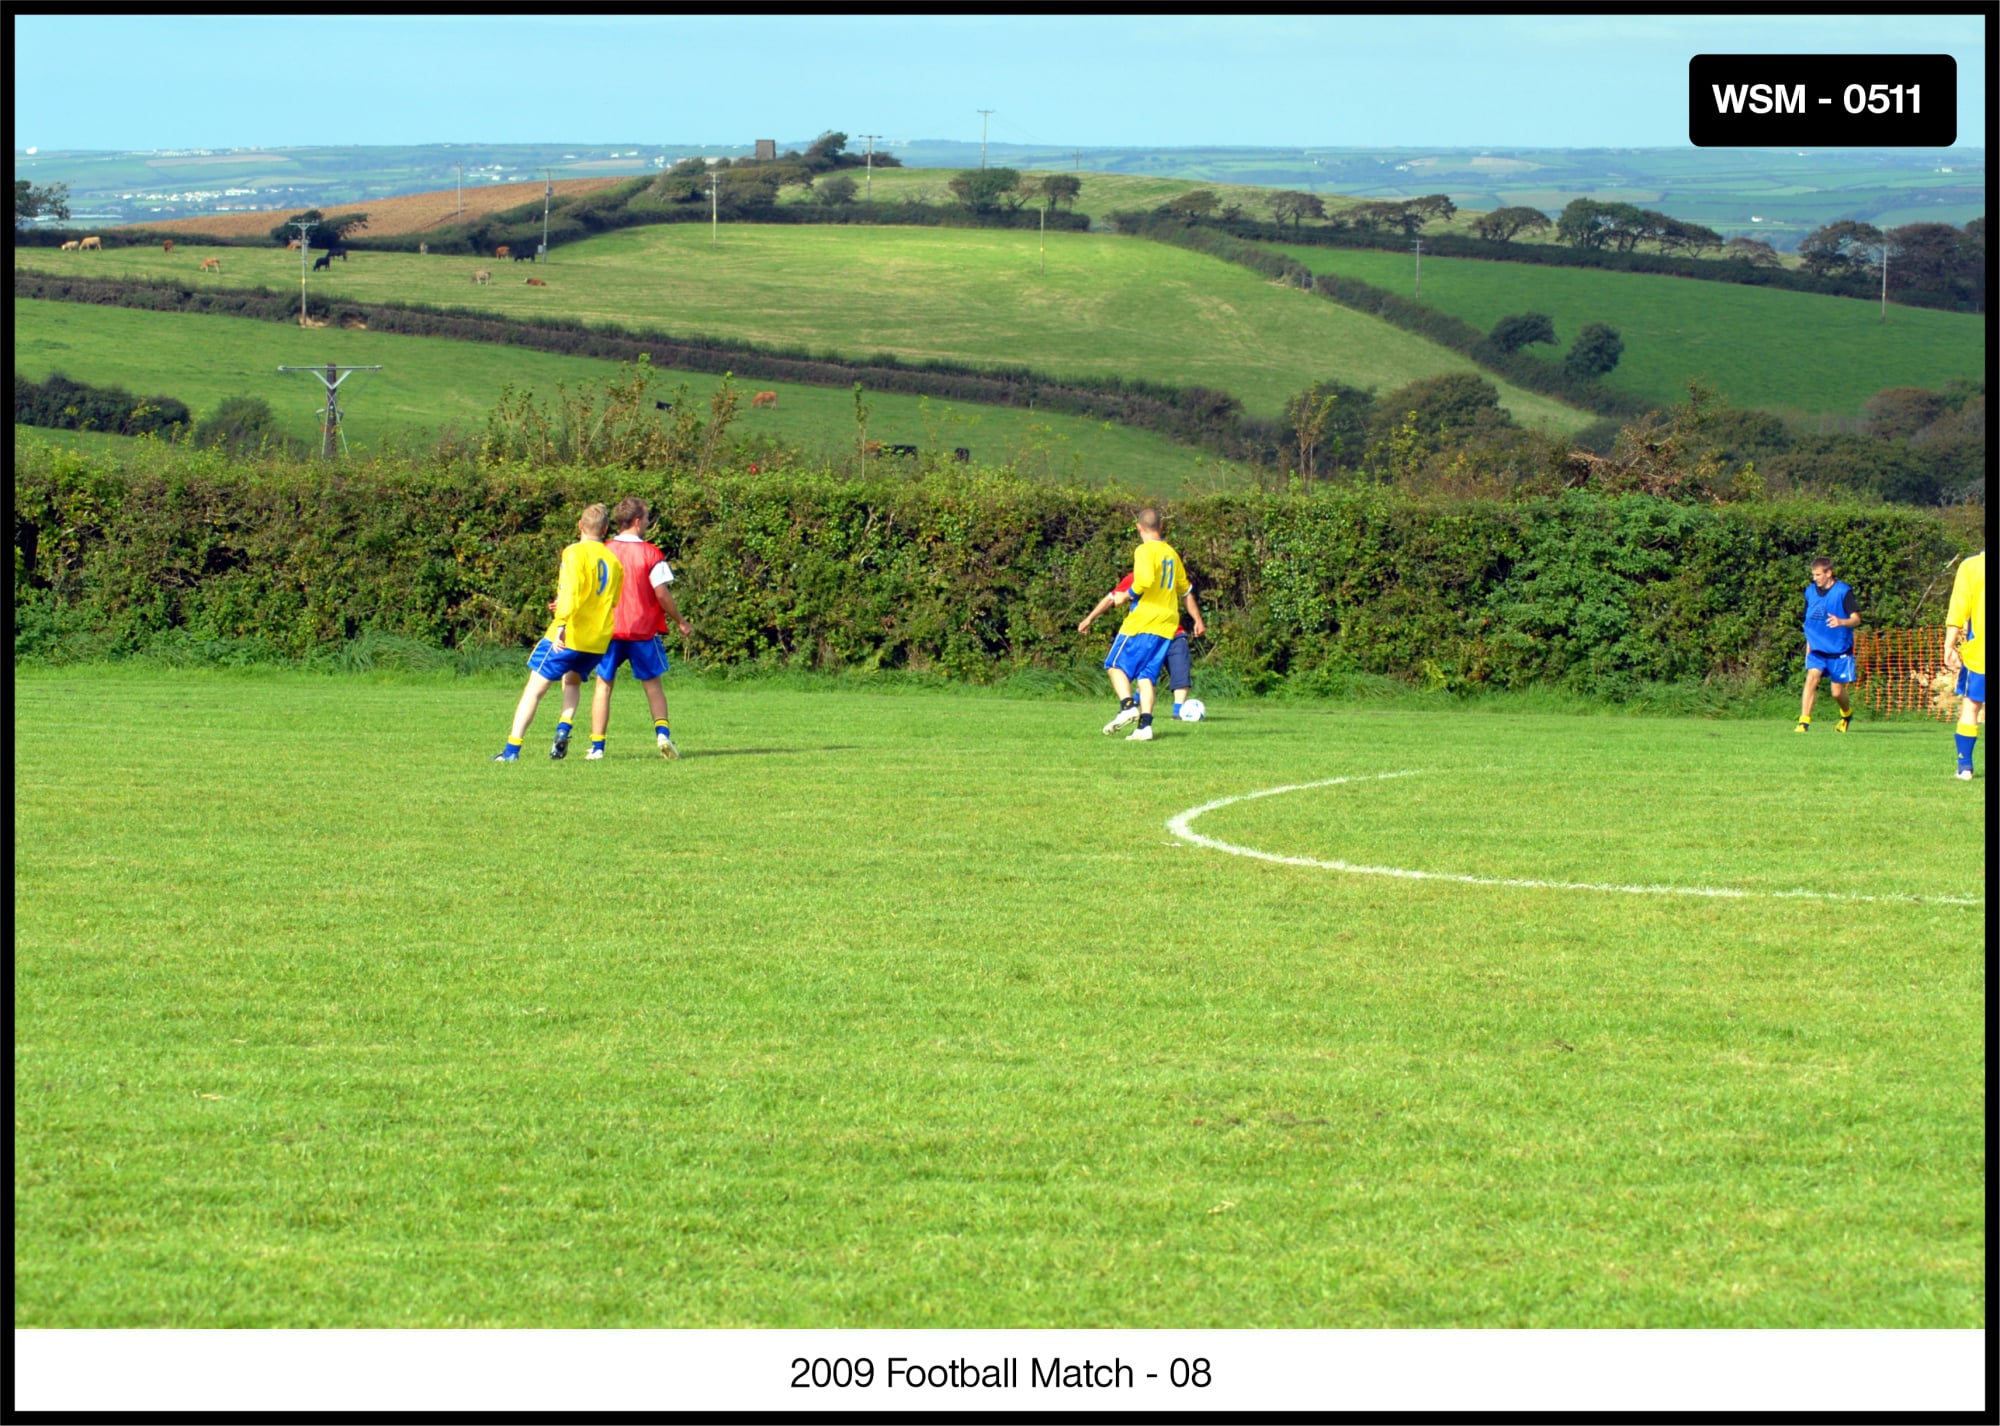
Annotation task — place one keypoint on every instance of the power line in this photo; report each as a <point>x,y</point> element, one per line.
<point>983,114</point>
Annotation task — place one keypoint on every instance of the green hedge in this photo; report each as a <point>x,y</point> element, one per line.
<point>974,578</point>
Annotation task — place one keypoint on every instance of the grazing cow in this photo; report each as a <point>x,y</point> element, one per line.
<point>535,282</point>
<point>338,252</point>
<point>70,246</point>
<point>902,450</point>
<point>482,276</point>
<point>292,246</point>
<point>168,245</point>
<point>524,257</point>
<point>663,405</point>
<point>211,264</point>
<point>502,251</point>
<point>91,244</point>
<point>961,455</point>
<point>423,249</point>
<point>324,259</point>
<point>764,398</point>
<point>872,449</point>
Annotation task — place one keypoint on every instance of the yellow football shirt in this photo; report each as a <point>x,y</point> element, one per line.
<point>1158,582</point>
<point>1968,611</point>
<point>587,595</point>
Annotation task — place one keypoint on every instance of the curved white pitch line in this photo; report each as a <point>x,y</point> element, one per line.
<point>1180,826</point>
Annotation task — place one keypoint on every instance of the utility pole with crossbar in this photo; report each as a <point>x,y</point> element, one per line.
<point>332,376</point>
<point>868,184</point>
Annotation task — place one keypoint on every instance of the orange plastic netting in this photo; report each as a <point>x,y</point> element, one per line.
<point>1902,671</point>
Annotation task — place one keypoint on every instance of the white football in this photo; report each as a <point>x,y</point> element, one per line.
<point>1193,711</point>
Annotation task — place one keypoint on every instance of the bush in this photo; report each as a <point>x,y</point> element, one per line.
<point>244,425</point>
<point>69,405</point>
<point>973,577</point>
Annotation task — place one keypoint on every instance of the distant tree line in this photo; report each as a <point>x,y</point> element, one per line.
<point>1930,264</point>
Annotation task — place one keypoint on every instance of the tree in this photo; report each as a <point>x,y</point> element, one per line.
<point>690,168</point>
<point>325,233</point>
<point>1296,205</point>
<point>1510,334</point>
<point>1924,255</point>
<point>1596,352</point>
<point>1367,217</point>
<point>1753,251</point>
<point>1059,190</point>
<point>1897,413</point>
<point>1838,249</point>
<point>1584,223</point>
<point>1503,223</point>
<point>1195,203</point>
<point>1674,233</point>
<point>1435,207</point>
<point>836,190</point>
<point>1438,409</point>
<point>31,202</point>
<point>825,151</point>
<point>982,189</point>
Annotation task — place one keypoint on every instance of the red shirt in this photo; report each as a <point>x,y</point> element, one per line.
<point>638,615</point>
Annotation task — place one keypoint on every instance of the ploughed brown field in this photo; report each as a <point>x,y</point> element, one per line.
<point>411,213</point>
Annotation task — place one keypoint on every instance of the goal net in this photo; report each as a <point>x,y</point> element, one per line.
<point>1902,671</point>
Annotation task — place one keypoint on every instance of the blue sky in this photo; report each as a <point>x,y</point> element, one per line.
<point>126,81</point>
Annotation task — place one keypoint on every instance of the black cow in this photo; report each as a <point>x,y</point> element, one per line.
<point>663,405</point>
<point>338,252</point>
<point>961,455</point>
<point>522,257</point>
<point>900,450</point>
<point>325,258</point>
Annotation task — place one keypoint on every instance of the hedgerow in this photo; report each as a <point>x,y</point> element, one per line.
<point>973,577</point>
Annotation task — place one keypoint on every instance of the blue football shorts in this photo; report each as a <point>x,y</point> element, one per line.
<point>1971,685</point>
<point>1838,667</point>
<point>1138,656</point>
<point>552,665</point>
<point>647,657</point>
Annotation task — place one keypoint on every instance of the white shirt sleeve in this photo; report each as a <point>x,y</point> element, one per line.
<point>661,574</point>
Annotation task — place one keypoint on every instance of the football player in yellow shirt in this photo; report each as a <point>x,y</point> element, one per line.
<point>587,585</point>
<point>1141,646</point>
<point>1965,654</point>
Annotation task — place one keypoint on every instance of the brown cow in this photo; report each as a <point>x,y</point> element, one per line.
<point>91,244</point>
<point>292,246</point>
<point>70,246</point>
<point>211,264</point>
<point>168,245</point>
<point>501,251</point>
<point>482,276</point>
<point>536,282</point>
<point>764,398</point>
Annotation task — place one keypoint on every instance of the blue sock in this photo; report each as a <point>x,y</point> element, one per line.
<point>1177,710</point>
<point>597,745</point>
<point>661,730</point>
<point>1966,742</point>
<point>562,730</point>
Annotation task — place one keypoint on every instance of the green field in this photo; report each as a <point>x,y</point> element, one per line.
<point>427,384</point>
<point>907,1009</point>
<point>1788,351</point>
<point>1108,306</point>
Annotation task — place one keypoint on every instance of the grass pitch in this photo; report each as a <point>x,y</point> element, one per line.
<point>905,1009</point>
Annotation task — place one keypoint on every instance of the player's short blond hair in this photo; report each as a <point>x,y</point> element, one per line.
<point>1149,519</point>
<point>595,518</point>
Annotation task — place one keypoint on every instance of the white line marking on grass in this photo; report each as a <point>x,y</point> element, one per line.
<point>1181,825</point>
